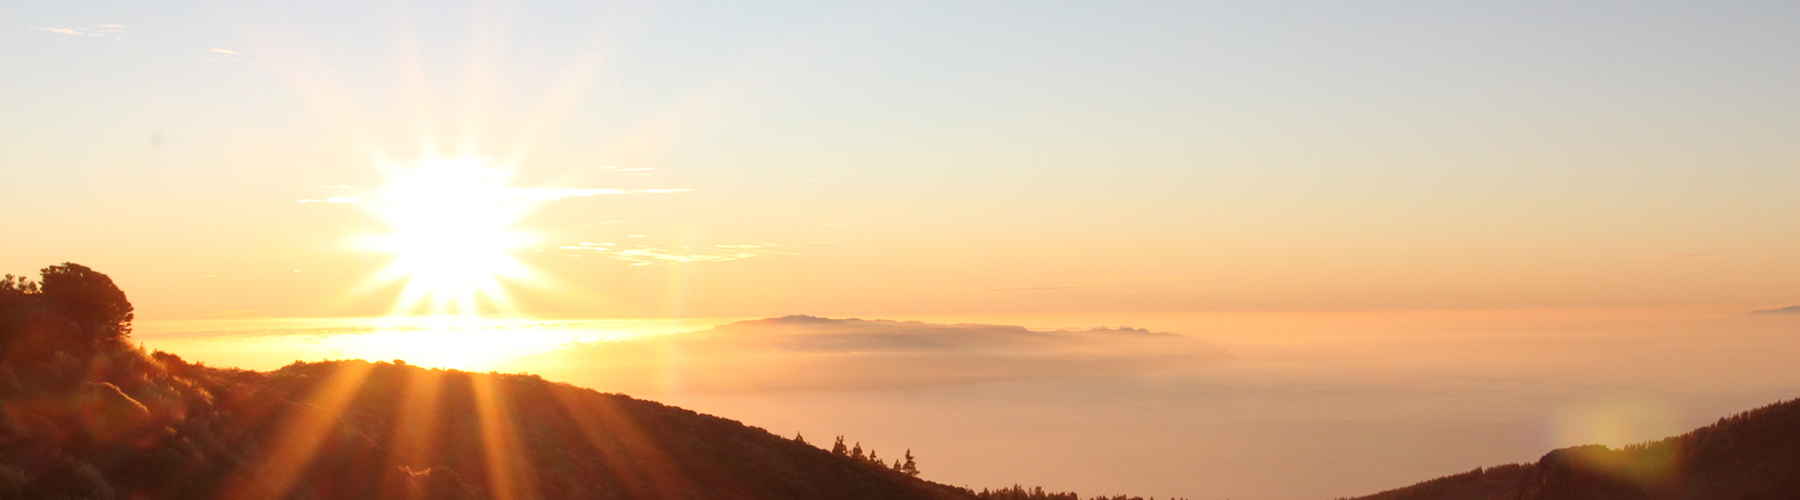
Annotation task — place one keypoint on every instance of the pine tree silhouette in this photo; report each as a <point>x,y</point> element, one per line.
<point>839,448</point>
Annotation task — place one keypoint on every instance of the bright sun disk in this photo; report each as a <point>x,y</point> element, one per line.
<point>451,236</point>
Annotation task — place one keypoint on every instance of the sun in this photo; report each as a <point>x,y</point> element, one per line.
<point>450,231</point>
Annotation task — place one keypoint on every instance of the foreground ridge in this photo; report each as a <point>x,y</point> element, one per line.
<point>1753,455</point>
<point>86,415</point>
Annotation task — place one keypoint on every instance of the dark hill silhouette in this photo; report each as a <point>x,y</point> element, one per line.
<point>83,414</point>
<point>86,415</point>
<point>1750,456</point>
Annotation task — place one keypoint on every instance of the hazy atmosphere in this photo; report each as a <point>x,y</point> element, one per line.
<point>1303,406</point>
<point>1252,250</point>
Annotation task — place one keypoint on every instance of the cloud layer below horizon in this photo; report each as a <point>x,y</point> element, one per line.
<point>805,353</point>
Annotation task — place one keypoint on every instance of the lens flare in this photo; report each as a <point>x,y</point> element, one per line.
<point>451,236</point>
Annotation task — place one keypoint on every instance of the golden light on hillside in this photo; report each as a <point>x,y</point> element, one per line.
<point>451,235</point>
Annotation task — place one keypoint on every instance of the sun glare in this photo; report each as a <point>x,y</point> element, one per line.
<point>451,236</point>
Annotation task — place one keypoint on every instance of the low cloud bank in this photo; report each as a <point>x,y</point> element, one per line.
<point>803,353</point>
<point>1784,310</point>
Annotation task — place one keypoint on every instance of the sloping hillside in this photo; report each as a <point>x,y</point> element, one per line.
<point>1751,456</point>
<point>83,414</point>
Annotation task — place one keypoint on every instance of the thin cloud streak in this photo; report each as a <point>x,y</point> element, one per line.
<point>644,255</point>
<point>553,194</point>
<point>65,31</point>
<point>113,31</point>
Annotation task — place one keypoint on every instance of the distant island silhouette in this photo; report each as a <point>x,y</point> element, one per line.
<point>1784,310</point>
<point>811,353</point>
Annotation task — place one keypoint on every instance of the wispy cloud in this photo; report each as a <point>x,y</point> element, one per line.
<point>644,255</point>
<point>113,31</point>
<point>553,194</point>
<point>230,56</point>
<point>334,199</point>
<point>1685,256</point>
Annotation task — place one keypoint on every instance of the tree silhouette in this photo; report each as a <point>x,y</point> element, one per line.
<point>90,299</point>
<point>70,315</point>
<point>911,468</point>
<point>839,448</point>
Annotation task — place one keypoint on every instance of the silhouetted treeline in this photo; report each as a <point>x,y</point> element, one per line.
<point>909,466</point>
<point>1753,455</point>
<point>1017,492</point>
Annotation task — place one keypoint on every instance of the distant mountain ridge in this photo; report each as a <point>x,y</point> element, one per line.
<point>796,353</point>
<point>1784,310</point>
<point>1754,455</point>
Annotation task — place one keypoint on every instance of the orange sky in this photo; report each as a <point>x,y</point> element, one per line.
<point>935,159</point>
<point>1433,236</point>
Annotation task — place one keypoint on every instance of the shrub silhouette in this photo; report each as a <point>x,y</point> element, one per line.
<point>90,299</point>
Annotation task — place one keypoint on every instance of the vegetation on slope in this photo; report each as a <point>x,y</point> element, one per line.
<point>85,415</point>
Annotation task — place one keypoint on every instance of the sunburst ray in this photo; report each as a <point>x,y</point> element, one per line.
<point>300,437</point>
